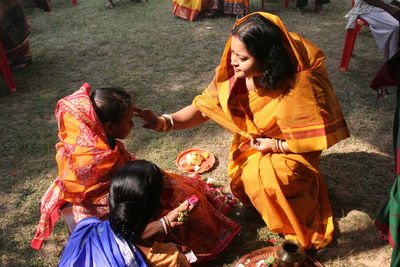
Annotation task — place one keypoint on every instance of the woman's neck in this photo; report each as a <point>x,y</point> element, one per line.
<point>253,83</point>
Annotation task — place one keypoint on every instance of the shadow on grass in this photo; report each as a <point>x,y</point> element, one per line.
<point>357,181</point>
<point>358,184</point>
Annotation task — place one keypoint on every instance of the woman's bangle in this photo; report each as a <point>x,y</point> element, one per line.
<point>273,145</point>
<point>166,124</point>
<point>164,226</point>
<point>169,119</point>
<point>282,147</point>
<point>167,222</point>
<point>277,146</point>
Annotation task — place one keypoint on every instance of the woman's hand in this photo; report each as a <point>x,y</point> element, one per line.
<point>261,144</point>
<point>183,209</point>
<point>152,121</point>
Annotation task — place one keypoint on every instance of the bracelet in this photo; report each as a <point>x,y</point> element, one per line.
<point>166,124</point>
<point>164,226</point>
<point>167,223</point>
<point>280,145</point>
<point>283,150</point>
<point>169,119</point>
<point>274,145</point>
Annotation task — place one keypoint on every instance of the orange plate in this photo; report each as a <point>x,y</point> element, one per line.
<point>205,165</point>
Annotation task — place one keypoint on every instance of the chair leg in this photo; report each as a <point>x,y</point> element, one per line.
<point>6,71</point>
<point>351,35</point>
<point>262,4</point>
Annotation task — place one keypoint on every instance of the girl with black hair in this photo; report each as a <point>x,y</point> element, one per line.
<point>272,91</point>
<point>134,199</point>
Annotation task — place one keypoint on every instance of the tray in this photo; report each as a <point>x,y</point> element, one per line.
<point>251,259</point>
<point>206,164</point>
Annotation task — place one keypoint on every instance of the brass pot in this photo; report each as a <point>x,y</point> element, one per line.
<point>290,254</point>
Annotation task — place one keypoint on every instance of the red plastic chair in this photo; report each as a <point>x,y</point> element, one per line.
<point>262,4</point>
<point>75,2</point>
<point>351,35</point>
<point>6,71</point>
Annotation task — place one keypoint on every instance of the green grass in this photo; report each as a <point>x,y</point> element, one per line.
<point>166,61</point>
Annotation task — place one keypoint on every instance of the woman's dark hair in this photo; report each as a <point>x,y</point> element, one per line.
<point>134,198</point>
<point>110,104</point>
<point>263,40</point>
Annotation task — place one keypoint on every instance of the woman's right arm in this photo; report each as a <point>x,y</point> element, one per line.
<point>185,118</point>
<point>188,117</point>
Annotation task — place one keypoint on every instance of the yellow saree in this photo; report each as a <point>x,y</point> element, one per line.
<point>286,189</point>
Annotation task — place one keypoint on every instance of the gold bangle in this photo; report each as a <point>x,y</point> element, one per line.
<point>164,124</point>
<point>273,145</point>
<point>170,121</point>
<point>280,145</point>
<point>164,226</point>
<point>283,148</point>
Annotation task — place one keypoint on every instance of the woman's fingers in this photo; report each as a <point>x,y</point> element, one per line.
<point>151,119</point>
<point>184,206</point>
<point>146,114</point>
<point>179,215</point>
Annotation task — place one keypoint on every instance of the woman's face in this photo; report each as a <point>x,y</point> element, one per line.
<point>122,129</point>
<point>244,64</point>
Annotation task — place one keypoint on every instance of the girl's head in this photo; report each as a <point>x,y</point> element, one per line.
<point>134,197</point>
<point>257,51</point>
<point>114,107</point>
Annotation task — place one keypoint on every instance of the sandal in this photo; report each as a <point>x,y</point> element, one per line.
<point>300,10</point>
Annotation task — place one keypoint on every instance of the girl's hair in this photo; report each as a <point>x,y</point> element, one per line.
<point>263,40</point>
<point>134,198</point>
<point>110,104</point>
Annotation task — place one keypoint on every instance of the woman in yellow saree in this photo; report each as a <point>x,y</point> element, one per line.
<point>272,91</point>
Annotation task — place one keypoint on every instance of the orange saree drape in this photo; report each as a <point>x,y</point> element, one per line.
<point>287,189</point>
<point>86,164</point>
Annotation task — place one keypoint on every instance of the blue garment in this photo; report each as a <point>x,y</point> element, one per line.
<point>93,243</point>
